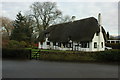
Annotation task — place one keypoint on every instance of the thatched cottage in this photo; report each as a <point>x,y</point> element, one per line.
<point>81,35</point>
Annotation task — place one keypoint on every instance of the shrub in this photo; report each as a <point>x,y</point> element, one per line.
<point>113,45</point>
<point>110,55</point>
<point>13,44</point>
<point>17,44</point>
<point>15,53</point>
<point>66,56</point>
<point>23,44</point>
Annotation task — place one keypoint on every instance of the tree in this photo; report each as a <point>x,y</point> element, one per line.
<point>108,36</point>
<point>63,19</point>
<point>45,13</point>
<point>6,25</point>
<point>22,28</point>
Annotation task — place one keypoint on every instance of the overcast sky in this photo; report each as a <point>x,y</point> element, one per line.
<point>108,10</point>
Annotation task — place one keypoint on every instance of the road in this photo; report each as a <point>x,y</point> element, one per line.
<point>46,69</point>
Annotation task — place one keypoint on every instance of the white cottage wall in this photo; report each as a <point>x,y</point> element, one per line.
<point>98,39</point>
<point>44,45</point>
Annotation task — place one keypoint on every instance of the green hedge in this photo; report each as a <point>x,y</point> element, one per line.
<point>113,45</point>
<point>109,56</point>
<point>54,55</point>
<point>66,56</point>
<point>15,53</point>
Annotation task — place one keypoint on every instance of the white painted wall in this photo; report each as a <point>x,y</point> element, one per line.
<point>98,39</point>
<point>44,45</point>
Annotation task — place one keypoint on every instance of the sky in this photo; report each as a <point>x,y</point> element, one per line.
<point>79,9</point>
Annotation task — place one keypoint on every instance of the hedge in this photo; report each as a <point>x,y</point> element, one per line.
<point>54,55</point>
<point>113,45</point>
<point>109,56</point>
<point>15,53</point>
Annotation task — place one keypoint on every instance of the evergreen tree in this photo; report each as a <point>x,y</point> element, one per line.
<point>22,30</point>
<point>108,35</point>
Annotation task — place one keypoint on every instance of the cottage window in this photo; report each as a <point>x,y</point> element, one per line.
<point>59,44</point>
<point>95,44</point>
<point>41,43</point>
<point>112,41</point>
<point>54,43</point>
<point>67,45</point>
<point>70,45</point>
<point>48,43</point>
<point>97,33</point>
<point>85,44</point>
<point>108,41</point>
<point>64,44</point>
<point>117,41</point>
<point>102,44</point>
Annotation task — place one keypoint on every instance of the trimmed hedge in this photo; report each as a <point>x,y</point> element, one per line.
<point>104,56</point>
<point>110,55</point>
<point>65,56</point>
<point>54,55</point>
<point>113,45</point>
<point>15,53</point>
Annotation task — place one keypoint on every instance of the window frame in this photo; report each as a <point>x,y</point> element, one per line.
<point>48,43</point>
<point>95,44</point>
<point>102,44</point>
<point>84,44</point>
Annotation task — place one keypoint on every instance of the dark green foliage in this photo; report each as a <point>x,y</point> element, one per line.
<point>13,44</point>
<point>16,44</point>
<point>22,29</point>
<point>66,56</point>
<point>15,53</point>
<point>108,35</point>
<point>113,45</point>
<point>103,56</point>
<point>110,55</point>
<point>23,44</point>
<point>56,55</point>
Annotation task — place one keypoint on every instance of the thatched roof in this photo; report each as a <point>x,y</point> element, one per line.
<point>80,30</point>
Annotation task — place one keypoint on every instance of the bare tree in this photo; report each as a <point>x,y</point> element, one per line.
<point>6,25</point>
<point>63,19</point>
<point>45,13</point>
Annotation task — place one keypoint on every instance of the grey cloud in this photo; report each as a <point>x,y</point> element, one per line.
<point>79,9</point>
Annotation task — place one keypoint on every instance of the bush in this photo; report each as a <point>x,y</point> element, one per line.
<point>23,44</point>
<point>13,44</point>
<point>15,53</point>
<point>110,55</point>
<point>17,44</point>
<point>113,45</point>
<point>103,56</point>
<point>66,56</point>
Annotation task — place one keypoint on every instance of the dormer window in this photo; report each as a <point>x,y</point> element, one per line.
<point>47,35</point>
<point>97,33</point>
